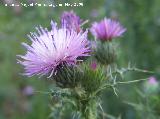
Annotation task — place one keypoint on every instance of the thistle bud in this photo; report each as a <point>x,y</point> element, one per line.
<point>105,53</point>
<point>66,76</point>
<point>91,80</point>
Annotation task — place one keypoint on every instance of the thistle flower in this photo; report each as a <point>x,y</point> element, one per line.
<point>151,85</point>
<point>152,80</point>
<point>70,21</point>
<point>51,49</point>
<point>107,29</point>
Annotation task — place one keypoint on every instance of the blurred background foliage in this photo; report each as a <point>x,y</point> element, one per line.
<point>140,45</point>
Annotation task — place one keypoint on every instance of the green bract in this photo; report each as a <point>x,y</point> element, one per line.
<point>105,53</point>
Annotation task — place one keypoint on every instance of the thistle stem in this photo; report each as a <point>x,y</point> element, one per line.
<point>89,110</point>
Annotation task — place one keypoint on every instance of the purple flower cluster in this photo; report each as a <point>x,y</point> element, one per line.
<point>52,49</point>
<point>49,49</point>
<point>107,29</point>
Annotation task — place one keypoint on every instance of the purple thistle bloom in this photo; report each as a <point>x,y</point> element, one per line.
<point>152,80</point>
<point>70,21</point>
<point>107,29</point>
<point>50,49</point>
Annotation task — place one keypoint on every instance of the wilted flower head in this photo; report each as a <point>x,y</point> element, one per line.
<point>107,29</point>
<point>70,21</point>
<point>51,49</point>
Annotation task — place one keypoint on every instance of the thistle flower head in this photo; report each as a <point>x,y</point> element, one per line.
<point>107,29</point>
<point>51,49</point>
<point>70,21</point>
<point>151,85</point>
<point>152,80</point>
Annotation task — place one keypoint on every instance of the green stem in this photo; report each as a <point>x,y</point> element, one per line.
<point>89,110</point>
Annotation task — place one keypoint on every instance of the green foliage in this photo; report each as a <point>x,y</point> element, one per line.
<point>146,105</point>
